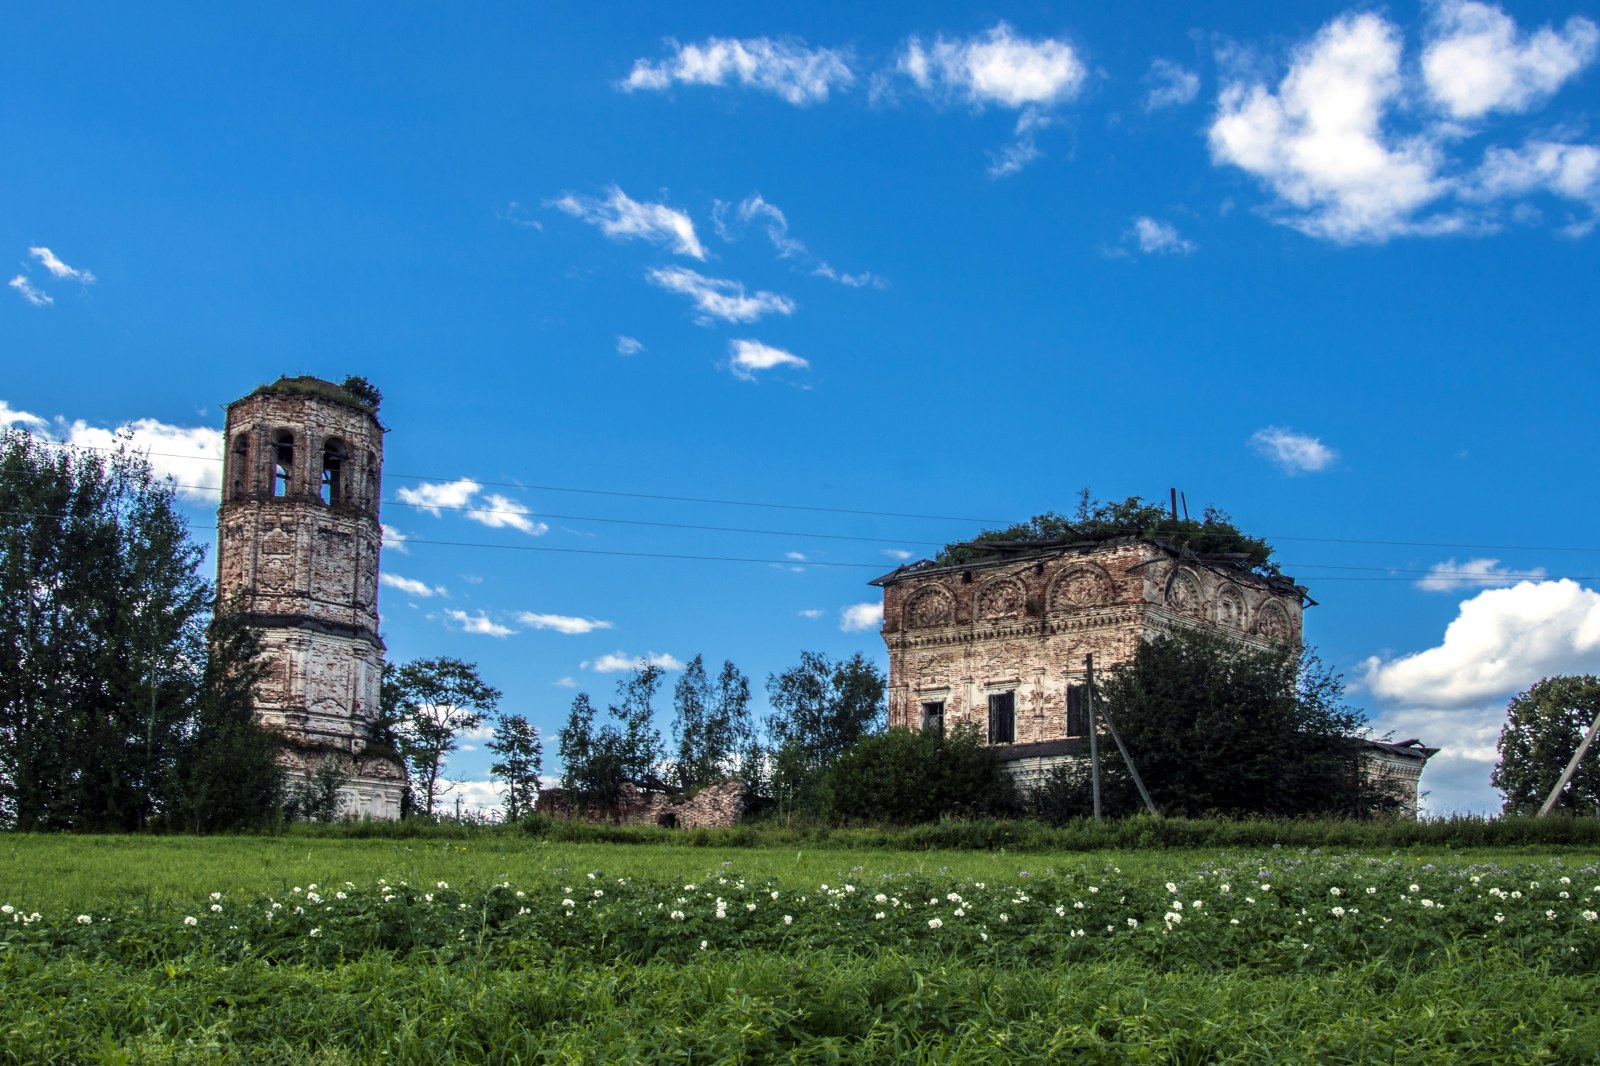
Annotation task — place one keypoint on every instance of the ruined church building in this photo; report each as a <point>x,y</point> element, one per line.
<point>298,542</point>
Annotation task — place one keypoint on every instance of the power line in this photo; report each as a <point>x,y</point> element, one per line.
<point>816,509</point>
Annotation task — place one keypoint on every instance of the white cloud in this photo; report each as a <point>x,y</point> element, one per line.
<point>785,68</point>
<point>855,281</point>
<point>481,798</point>
<point>861,616</point>
<point>564,682</point>
<point>628,346</point>
<point>481,732</point>
<point>1318,142</point>
<point>997,67</point>
<point>616,662</point>
<point>897,553</point>
<point>190,455</point>
<point>1451,576</point>
<point>719,298</point>
<point>59,270</point>
<point>10,416</point>
<point>1155,237</point>
<point>750,356</point>
<point>34,296</point>
<point>798,557</point>
<point>410,586</point>
<point>561,623</point>
<point>1569,170</point>
<point>478,624</point>
<point>1295,453</point>
<point>624,218</point>
<point>433,495</point>
<point>502,512</point>
<point>1501,641</point>
<point>1476,61</point>
<point>394,540</point>
<point>811,612</point>
<point>1171,85</point>
<point>1456,780</point>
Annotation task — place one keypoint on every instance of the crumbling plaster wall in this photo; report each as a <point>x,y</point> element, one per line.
<point>961,634</point>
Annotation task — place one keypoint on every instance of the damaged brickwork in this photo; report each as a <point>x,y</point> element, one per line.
<point>1001,642</point>
<point>713,806</point>
<point>298,542</point>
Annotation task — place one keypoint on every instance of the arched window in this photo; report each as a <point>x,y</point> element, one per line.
<point>282,462</point>
<point>241,464</point>
<point>372,479</point>
<point>333,453</point>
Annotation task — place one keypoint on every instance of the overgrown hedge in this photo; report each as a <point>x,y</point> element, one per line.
<point>1460,831</point>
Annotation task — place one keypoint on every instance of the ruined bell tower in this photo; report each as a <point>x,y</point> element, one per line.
<point>298,541</point>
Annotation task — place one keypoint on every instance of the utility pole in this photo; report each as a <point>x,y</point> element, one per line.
<point>1094,743</point>
<point>1572,768</point>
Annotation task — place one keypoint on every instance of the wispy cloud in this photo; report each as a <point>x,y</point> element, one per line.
<point>861,616</point>
<point>1171,85</point>
<point>810,612</point>
<point>410,586</point>
<point>190,455</point>
<point>897,553</point>
<point>10,416</point>
<point>1155,237</point>
<point>1451,576</point>
<point>434,496</point>
<point>616,662</point>
<point>478,624</point>
<point>493,509</point>
<point>1294,453</point>
<point>564,682</point>
<point>731,221</point>
<point>628,346</point>
<point>622,218</point>
<point>59,270</point>
<point>786,68</point>
<point>1000,69</point>
<point>394,540</point>
<point>719,298</point>
<point>750,356</point>
<point>26,290</point>
<point>561,623</point>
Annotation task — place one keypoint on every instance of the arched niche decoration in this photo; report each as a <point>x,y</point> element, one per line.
<point>334,477</point>
<point>932,605</point>
<point>1183,593</point>
<point>1003,597</point>
<point>1085,585</point>
<point>1272,623</point>
<point>1231,609</point>
<point>239,466</point>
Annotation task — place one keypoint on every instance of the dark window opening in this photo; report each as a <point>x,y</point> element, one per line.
<point>1003,718</point>
<point>333,472</point>
<point>933,717</point>
<point>282,462</point>
<point>1077,710</point>
<point>372,480</point>
<point>241,464</point>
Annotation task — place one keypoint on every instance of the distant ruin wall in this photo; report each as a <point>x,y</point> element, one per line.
<point>712,807</point>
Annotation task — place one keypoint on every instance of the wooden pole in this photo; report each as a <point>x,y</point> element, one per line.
<point>1572,768</point>
<point>1094,743</point>
<point>1138,781</point>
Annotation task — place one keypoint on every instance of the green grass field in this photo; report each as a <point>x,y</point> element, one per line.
<point>504,949</point>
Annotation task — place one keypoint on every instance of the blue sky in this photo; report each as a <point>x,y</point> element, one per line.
<point>906,271</point>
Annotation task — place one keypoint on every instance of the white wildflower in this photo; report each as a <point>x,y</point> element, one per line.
<point>216,908</point>
<point>935,923</point>
<point>190,919</point>
<point>84,919</point>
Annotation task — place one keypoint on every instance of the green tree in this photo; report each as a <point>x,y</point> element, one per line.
<point>598,760</point>
<point>820,708</point>
<point>426,705</point>
<point>227,774</point>
<point>710,724</point>
<point>1219,729</point>
<point>520,763</point>
<point>102,640</point>
<point>903,777</point>
<point>1544,726</point>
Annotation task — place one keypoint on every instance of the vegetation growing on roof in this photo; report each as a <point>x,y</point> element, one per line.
<point>1213,534</point>
<point>355,391</point>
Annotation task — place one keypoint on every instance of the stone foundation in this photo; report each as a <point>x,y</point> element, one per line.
<point>714,806</point>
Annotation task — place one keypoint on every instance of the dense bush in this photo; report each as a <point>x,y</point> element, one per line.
<point>901,778</point>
